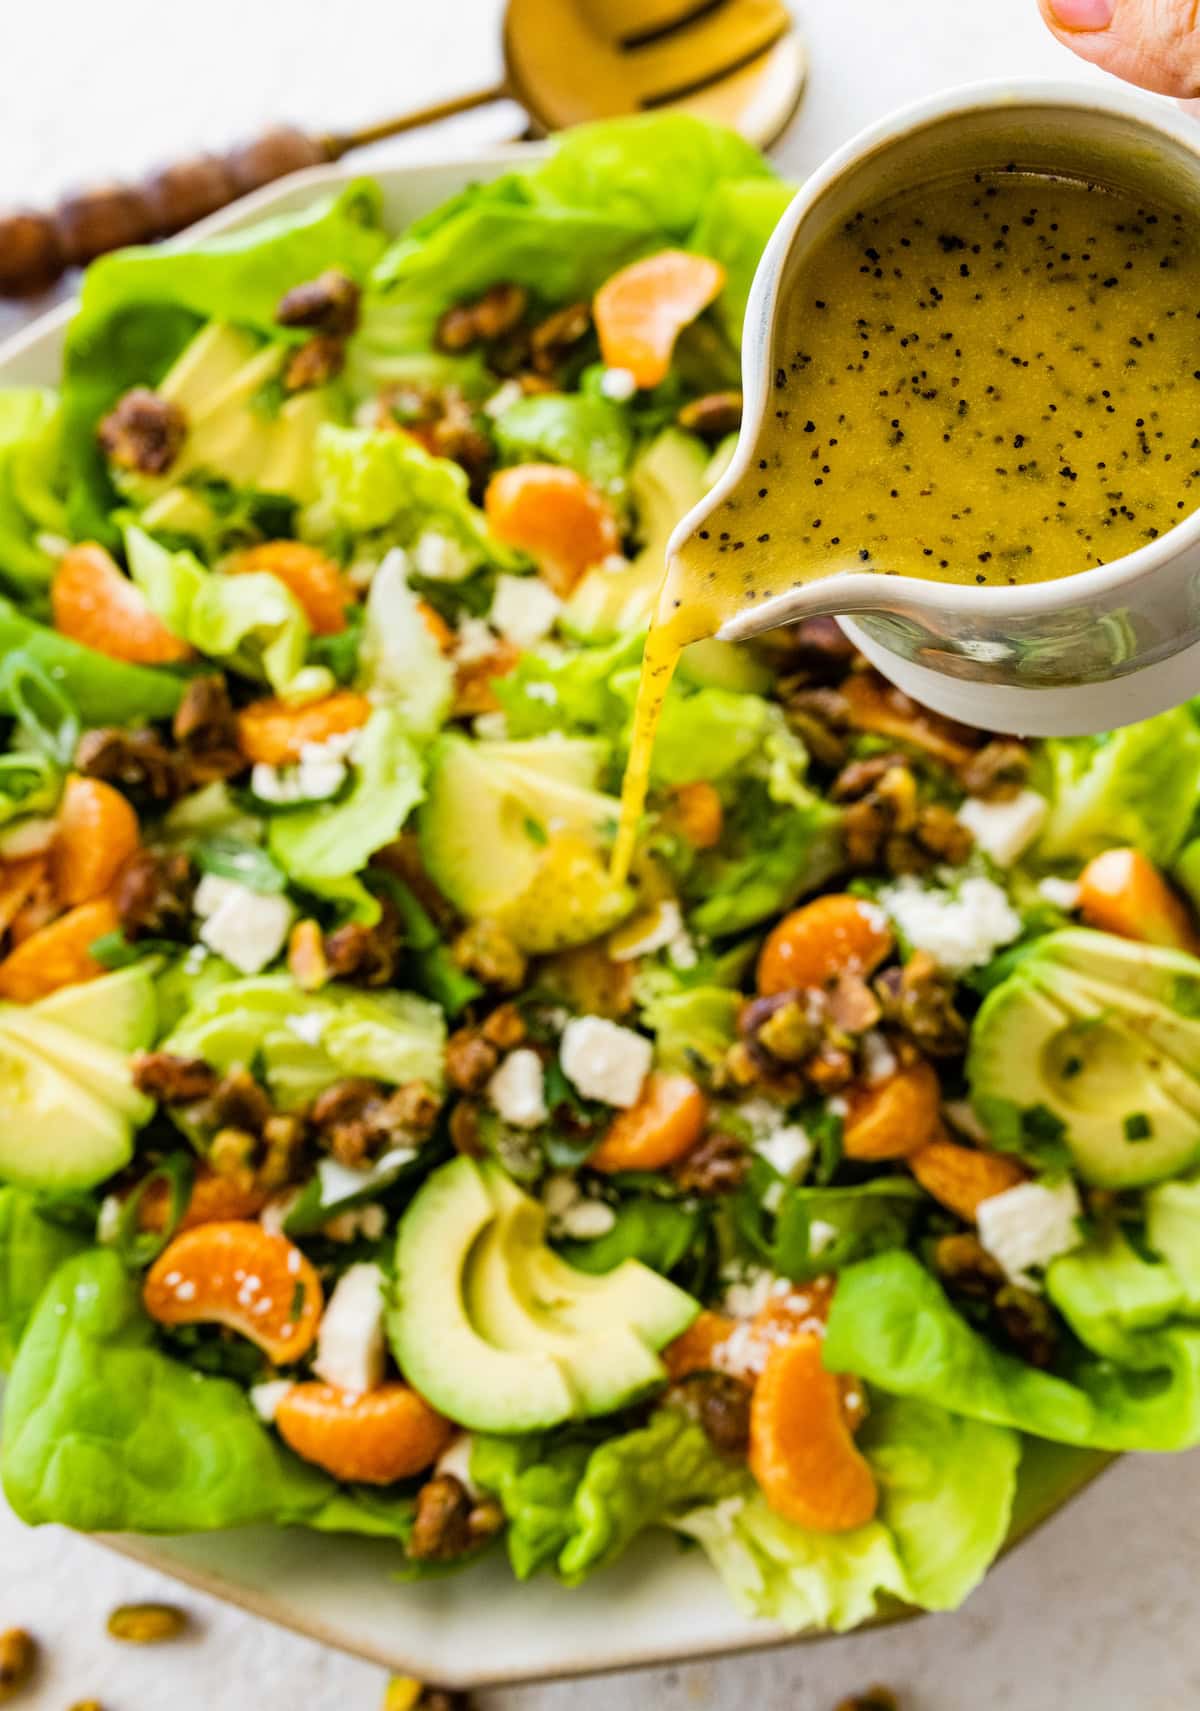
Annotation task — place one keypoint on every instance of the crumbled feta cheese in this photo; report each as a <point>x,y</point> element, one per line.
<point>654,929</point>
<point>749,1293</point>
<point>474,640</point>
<point>518,1090</point>
<point>350,1346</point>
<point>248,928</point>
<point>570,1213</point>
<point>605,1061</point>
<point>503,398</point>
<point>619,384</point>
<point>369,1222</point>
<point>1005,830</point>
<point>491,727</point>
<point>681,952</point>
<point>108,1221</point>
<point>440,558</point>
<point>1029,1225</point>
<point>455,1460</point>
<point>786,1149</point>
<point>54,546</point>
<point>1063,893</point>
<point>837,1105</point>
<point>878,1059</point>
<point>820,1234</point>
<point>587,1220</point>
<point>524,609</point>
<point>319,773</point>
<point>308,1026</point>
<point>265,1398</point>
<point>28,837</point>
<point>761,1116</point>
<point>960,929</point>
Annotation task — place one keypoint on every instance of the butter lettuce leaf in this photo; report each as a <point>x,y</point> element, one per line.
<point>400,662</point>
<point>325,846</point>
<point>31,478</point>
<point>580,1505</point>
<point>370,482</point>
<point>105,1432</point>
<point>253,624</point>
<point>1137,786</point>
<point>306,1040</point>
<point>892,1325</point>
<point>591,434</point>
<point>140,307</point>
<point>33,1244</point>
<point>946,1488</point>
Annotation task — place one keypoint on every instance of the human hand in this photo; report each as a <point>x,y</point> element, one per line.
<point>1154,43</point>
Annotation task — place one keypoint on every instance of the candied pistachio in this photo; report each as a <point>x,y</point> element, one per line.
<point>326,304</point>
<point>713,416</point>
<point>143,432</point>
<point>874,1699</point>
<point>18,1656</point>
<point>147,1624</point>
<point>485,950</point>
<point>314,363</point>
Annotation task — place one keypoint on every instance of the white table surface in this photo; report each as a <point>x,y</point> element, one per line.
<point>1095,1614</point>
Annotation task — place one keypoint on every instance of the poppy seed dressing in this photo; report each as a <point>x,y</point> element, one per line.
<point>989,380</point>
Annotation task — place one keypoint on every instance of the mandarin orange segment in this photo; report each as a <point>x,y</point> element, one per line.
<point>213,1199</point>
<point>271,732</point>
<point>564,523</point>
<point>97,833</point>
<point>641,311</point>
<point>58,954</point>
<point>695,1350</point>
<point>373,1438</point>
<point>93,603</point>
<point>1122,892</point>
<point>895,1117</point>
<point>802,1452</point>
<point>695,812</point>
<point>665,1124</point>
<point>826,937</point>
<point>961,1178</point>
<point>314,579</point>
<point>235,1273</point>
<point>20,880</point>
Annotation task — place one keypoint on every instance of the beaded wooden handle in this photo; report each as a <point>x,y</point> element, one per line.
<point>36,247</point>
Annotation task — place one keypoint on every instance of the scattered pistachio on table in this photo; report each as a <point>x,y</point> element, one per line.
<point>147,1624</point>
<point>18,1655</point>
<point>874,1699</point>
<point>405,1693</point>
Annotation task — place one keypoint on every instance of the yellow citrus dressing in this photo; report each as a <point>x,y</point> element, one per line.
<point>991,380</point>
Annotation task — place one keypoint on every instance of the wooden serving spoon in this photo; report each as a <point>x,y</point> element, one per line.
<point>740,62</point>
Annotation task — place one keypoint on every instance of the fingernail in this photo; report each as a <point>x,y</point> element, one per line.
<point>1083,14</point>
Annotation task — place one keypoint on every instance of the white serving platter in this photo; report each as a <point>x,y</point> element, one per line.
<point>660,1603</point>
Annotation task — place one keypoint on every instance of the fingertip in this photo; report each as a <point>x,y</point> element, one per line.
<point>1079,15</point>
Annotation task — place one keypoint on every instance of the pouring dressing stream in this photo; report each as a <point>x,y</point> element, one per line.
<point>980,385</point>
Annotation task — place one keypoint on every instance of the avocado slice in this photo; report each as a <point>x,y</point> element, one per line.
<point>1170,977</point>
<point>118,1010</point>
<point>478,1294</point>
<point>53,1133</point>
<point>101,1069</point>
<point>631,1293</point>
<point>606,1367</point>
<point>512,833</point>
<point>1128,1111</point>
<point>217,382</point>
<point>438,1348</point>
<point>666,480</point>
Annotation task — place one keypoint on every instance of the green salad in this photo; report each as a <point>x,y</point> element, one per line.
<point>372,1160</point>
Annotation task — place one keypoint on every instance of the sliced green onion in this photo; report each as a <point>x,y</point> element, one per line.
<point>43,709</point>
<point>232,858</point>
<point>137,1247</point>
